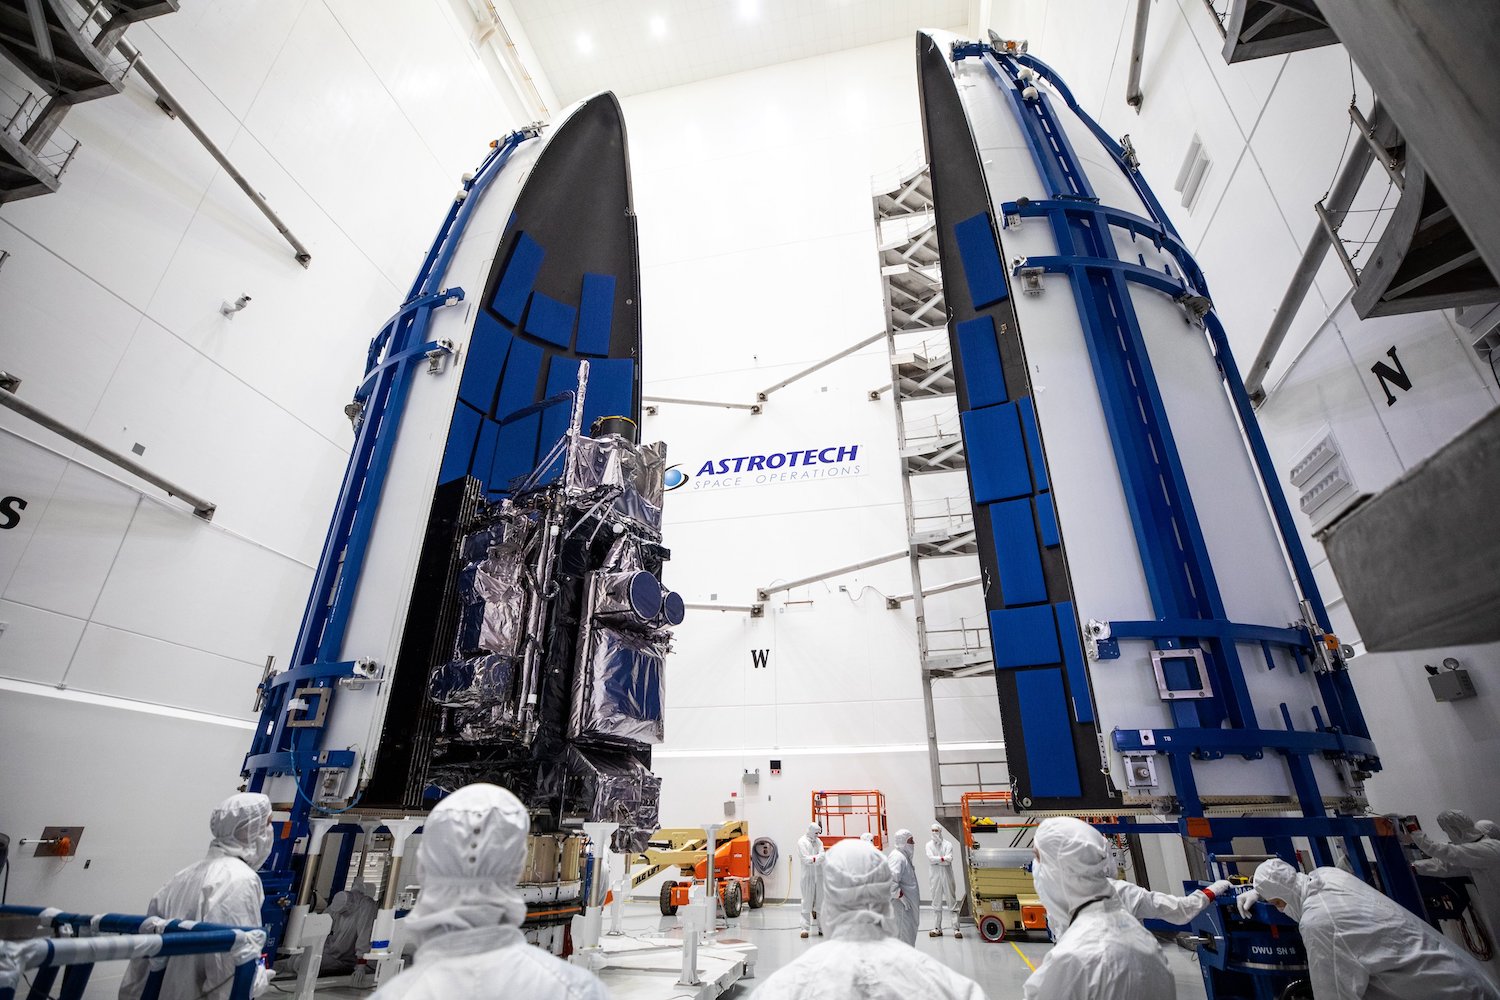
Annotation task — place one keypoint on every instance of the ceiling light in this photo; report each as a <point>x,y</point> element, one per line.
<point>585,44</point>
<point>749,9</point>
<point>658,27</point>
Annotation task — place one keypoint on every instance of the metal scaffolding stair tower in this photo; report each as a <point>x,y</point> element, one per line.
<point>57,53</point>
<point>939,518</point>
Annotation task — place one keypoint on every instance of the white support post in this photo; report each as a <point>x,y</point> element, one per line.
<point>385,948</point>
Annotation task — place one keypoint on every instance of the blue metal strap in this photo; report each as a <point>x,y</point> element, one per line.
<point>1240,741</point>
<point>297,761</point>
<point>1206,629</point>
<point>312,672</point>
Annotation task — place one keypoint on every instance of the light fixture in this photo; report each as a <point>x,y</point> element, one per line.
<point>658,27</point>
<point>749,9</point>
<point>585,44</point>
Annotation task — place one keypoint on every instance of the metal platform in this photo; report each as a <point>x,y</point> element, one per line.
<point>648,968</point>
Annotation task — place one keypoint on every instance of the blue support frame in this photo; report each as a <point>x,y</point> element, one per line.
<point>394,356</point>
<point>1190,612</point>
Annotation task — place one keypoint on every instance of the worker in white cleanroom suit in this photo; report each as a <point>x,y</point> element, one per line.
<point>467,921</point>
<point>868,838</point>
<point>945,880</point>
<point>906,897</point>
<point>221,889</point>
<point>862,959</point>
<point>1361,943</point>
<point>810,850</point>
<point>1102,952</point>
<point>353,912</point>
<point>1143,904</point>
<point>1468,852</point>
<point>1488,829</point>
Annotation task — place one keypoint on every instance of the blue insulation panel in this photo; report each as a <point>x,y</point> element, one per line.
<point>515,452</point>
<point>484,452</point>
<point>981,260</point>
<point>485,357</point>
<point>610,392</point>
<point>515,283</point>
<point>1050,760</point>
<point>1078,680</point>
<point>1024,637</point>
<point>996,453</point>
<point>1018,559</point>
<point>979,353</point>
<point>596,312</point>
<point>1033,443</point>
<point>460,448</point>
<point>550,320</point>
<point>611,389</point>
<point>518,387</point>
<point>1046,520</point>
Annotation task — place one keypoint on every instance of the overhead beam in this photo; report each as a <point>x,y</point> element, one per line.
<point>174,108</point>
<point>1133,96</point>
<point>753,610</point>
<point>1335,205</point>
<point>718,404</point>
<point>40,31</point>
<point>898,600</point>
<point>765,394</point>
<point>203,508</point>
<point>764,594</point>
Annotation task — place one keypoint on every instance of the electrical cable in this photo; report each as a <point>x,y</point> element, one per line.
<point>1360,246</point>
<point>1349,134</point>
<point>297,784</point>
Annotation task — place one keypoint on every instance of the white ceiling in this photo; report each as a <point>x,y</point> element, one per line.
<point>632,46</point>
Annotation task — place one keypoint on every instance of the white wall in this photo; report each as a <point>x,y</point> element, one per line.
<point>759,258</point>
<point>135,633</point>
<point>1275,129</point>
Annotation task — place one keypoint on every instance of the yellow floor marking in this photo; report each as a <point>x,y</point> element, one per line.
<point>1023,956</point>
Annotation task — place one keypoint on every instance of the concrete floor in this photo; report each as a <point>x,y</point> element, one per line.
<point>1000,968</point>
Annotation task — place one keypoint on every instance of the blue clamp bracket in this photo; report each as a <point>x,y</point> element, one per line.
<point>440,298</point>
<point>312,672</point>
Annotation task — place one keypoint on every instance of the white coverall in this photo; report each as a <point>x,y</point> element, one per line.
<point>862,960</point>
<point>1362,944</point>
<point>1102,952</point>
<point>1143,904</point>
<point>810,850</point>
<point>1469,852</point>
<point>944,881</point>
<point>467,921</point>
<point>221,889</point>
<point>906,897</point>
<point>353,912</point>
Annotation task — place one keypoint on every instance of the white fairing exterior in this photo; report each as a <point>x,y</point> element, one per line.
<point>1108,581</point>
<point>378,617</point>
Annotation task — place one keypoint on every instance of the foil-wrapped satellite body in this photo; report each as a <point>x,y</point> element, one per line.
<point>488,603</point>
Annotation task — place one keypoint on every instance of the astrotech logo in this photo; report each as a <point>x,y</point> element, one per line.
<point>674,478</point>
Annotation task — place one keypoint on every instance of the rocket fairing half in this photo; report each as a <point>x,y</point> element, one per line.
<point>1137,582</point>
<point>482,560</point>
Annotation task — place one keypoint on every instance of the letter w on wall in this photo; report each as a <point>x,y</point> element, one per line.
<point>759,658</point>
